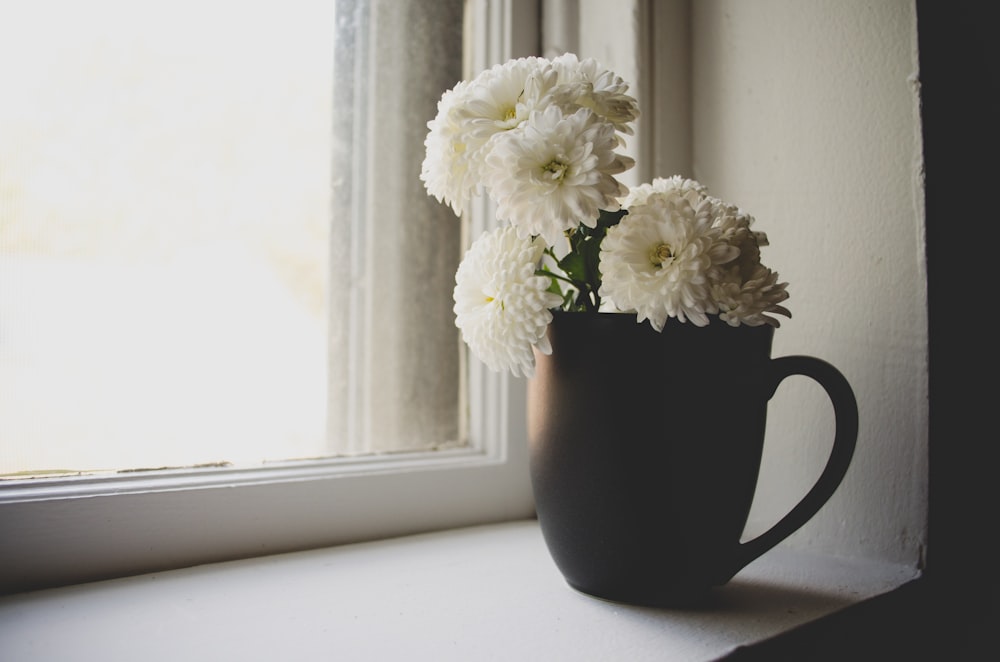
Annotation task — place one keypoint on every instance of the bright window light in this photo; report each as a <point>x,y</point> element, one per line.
<point>165,233</point>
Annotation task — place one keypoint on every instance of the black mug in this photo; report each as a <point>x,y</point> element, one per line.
<point>645,449</point>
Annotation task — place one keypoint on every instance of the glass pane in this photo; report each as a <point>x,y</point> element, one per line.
<point>394,358</point>
<point>169,238</point>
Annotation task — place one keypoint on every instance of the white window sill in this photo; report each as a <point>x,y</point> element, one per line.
<point>481,593</point>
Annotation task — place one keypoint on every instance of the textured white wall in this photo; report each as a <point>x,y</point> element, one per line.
<point>806,115</point>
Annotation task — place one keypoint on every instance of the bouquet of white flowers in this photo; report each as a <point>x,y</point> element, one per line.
<point>539,136</point>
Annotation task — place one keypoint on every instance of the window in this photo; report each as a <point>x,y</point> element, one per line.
<point>196,269</point>
<point>130,522</point>
<point>164,234</point>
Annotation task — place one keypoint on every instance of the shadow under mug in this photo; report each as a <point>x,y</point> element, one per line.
<point>645,449</point>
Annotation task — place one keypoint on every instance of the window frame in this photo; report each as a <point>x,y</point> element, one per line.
<point>60,531</point>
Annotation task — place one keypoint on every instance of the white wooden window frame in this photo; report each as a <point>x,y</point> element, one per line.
<point>70,530</point>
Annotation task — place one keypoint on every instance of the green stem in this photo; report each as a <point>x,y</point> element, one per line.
<point>552,274</point>
<point>591,300</point>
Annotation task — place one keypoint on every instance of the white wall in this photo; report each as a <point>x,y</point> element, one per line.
<point>806,114</point>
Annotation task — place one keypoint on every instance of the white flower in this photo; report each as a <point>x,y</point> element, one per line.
<point>744,289</point>
<point>675,186</point>
<point>556,172</point>
<point>746,299</point>
<point>739,288</point>
<point>735,224</point>
<point>541,137</point>
<point>501,98</point>
<point>475,117</point>
<point>658,261</point>
<point>501,306</point>
<point>450,170</point>
<point>585,84</point>
<point>469,115</point>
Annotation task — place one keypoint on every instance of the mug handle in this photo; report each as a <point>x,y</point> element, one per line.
<point>845,410</point>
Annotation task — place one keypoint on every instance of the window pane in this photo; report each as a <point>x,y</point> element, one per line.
<point>171,246</point>
<point>397,385</point>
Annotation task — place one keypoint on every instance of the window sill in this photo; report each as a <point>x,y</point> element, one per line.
<point>489,592</point>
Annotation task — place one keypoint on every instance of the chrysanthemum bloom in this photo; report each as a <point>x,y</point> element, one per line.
<point>585,84</point>
<point>556,172</point>
<point>501,98</point>
<point>677,185</point>
<point>748,298</point>
<point>501,306</point>
<point>450,170</point>
<point>658,260</point>
<point>734,225</point>
<point>469,115</point>
<point>744,289</point>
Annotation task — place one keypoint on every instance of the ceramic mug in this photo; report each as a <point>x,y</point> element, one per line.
<point>645,449</point>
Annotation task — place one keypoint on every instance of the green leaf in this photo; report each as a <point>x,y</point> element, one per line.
<point>609,219</point>
<point>574,265</point>
<point>582,264</point>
